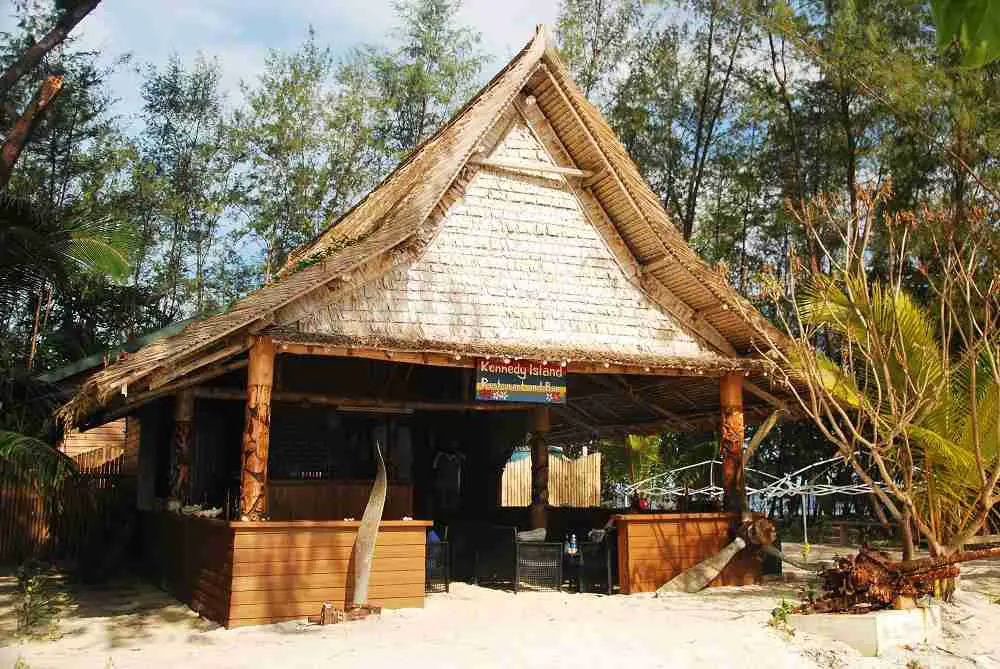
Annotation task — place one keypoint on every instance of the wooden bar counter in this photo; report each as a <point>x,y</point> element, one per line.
<point>261,572</point>
<point>653,548</point>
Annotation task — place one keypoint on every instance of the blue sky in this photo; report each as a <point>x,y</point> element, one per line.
<point>239,32</point>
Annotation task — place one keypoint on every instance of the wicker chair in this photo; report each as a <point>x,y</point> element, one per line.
<point>503,561</point>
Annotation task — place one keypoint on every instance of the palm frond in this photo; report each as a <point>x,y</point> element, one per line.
<point>38,247</point>
<point>35,461</point>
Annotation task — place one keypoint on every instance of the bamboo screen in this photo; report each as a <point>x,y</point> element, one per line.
<point>575,483</point>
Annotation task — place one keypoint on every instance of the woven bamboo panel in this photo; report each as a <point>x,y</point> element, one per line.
<point>575,483</point>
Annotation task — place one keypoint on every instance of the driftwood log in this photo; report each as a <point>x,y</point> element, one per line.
<point>757,533</point>
<point>364,545</point>
<point>871,580</point>
<point>363,556</point>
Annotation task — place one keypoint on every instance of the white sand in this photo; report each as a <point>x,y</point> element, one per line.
<point>133,625</point>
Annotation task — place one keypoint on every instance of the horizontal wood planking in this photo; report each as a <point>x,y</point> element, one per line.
<point>191,559</point>
<point>240,574</point>
<point>333,579</point>
<point>655,548</point>
<point>408,561</point>
<point>338,595</point>
<point>287,572</point>
<point>324,537</point>
<point>313,554</point>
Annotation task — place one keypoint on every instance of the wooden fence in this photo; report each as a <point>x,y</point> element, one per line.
<point>571,482</point>
<point>59,521</point>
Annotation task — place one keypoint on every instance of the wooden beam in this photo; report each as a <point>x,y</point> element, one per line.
<point>257,430</point>
<point>529,166</point>
<point>569,413</point>
<point>658,263</point>
<point>433,359</point>
<point>618,383</point>
<point>144,398</point>
<point>774,401</point>
<point>168,375</point>
<point>467,359</point>
<point>372,404</point>
<point>650,404</point>
<point>591,181</point>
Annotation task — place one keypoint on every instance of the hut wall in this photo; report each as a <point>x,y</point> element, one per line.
<point>191,558</point>
<point>258,573</point>
<point>653,548</point>
<point>97,445</point>
<point>515,265</point>
<point>284,571</point>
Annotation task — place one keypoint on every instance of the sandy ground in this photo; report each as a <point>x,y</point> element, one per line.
<point>130,624</point>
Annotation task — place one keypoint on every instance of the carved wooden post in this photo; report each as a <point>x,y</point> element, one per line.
<point>731,442</point>
<point>257,431</point>
<point>539,467</point>
<point>180,453</point>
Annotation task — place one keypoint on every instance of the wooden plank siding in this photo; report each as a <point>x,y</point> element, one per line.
<point>191,558</point>
<point>575,483</point>
<point>245,573</point>
<point>653,548</point>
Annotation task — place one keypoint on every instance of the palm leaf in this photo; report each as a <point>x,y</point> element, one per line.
<point>38,247</point>
<point>35,461</point>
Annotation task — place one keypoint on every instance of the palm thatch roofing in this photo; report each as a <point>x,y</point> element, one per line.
<point>394,224</point>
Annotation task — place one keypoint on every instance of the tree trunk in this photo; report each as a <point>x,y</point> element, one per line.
<point>364,545</point>
<point>33,55</point>
<point>906,527</point>
<point>21,131</point>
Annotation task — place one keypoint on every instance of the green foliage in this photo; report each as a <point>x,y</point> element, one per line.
<point>595,38</point>
<point>632,459</point>
<point>974,25</point>
<point>420,83</point>
<point>304,149</point>
<point>37,463</point>
<point>779,618</point>
<point>39,247</point>
<point>36,602</point>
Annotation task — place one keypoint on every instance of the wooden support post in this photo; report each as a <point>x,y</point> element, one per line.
<point>180,452</point>
<point>539,467</point>
<point>731,443</point>
<point>257,430</point>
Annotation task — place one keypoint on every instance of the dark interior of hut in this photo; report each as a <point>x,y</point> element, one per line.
<point>444,452</point>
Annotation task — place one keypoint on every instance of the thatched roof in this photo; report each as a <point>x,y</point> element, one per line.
<point>394,225</point>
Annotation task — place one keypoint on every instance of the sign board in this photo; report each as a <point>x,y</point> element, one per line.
<point>520,381</point>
